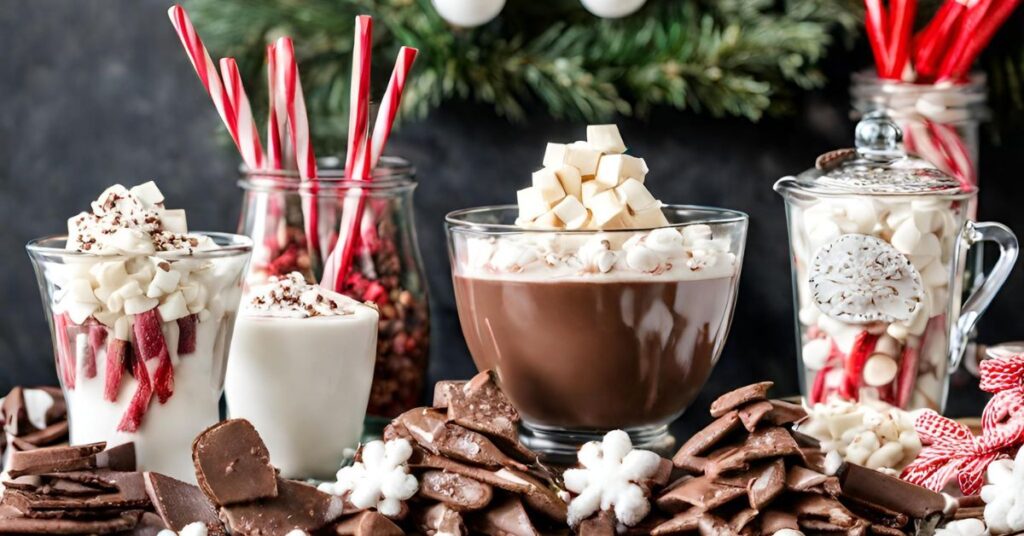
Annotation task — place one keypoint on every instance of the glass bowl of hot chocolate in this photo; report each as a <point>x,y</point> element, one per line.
<point>598,306</point>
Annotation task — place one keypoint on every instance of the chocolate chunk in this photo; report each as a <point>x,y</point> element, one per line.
<point>54,460</point>
<point>768,485</point>
<point>459,492</point>
<point>480,405</point>
<point>661,476</point>
<point>296,506</point>
<point>505,479</point>
<point>683,523</point>
<point>872,487</point>
<point>443,390</point>
<point>763,443</point>
<point>12,522</point>
<point>784,413</point>
<point>708,437</point>
<point>751,414</point>
<point>741,519</point>
<point>819,507</point>
<point>820,526</point>
<point>130,494</point>
<point>58,484</point>
<point>440,519</point>
<point>544,500</point>
<point>739,397</point>
<point>53,433</point>
<point>119,458</point>
<point>712,525</point>
<point>702,492</point>
<point>431,429</point>
<point>876,514</point>
<point>601,524</point>
<point>233,464</point>
<point>505,518</point>
<point>773,521</point>
<point>367,523</point>
<point>180,504</point>
<point>803,479</point>
<point>14,413</point>
<point>813,458</point>
<point>691,464</point>
<point>149,524</point>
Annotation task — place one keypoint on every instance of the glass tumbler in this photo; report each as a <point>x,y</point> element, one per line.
<point>386,269</point>
<point>591,331</point>
<point>136,377</point>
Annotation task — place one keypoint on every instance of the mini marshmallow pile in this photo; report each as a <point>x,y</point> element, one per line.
<point>685,252</point>
<point>290,296</point>
<point>1004,495</point>
<point>378,479</point>
<point>192,529</point>
<point>610,478</point>
<point>869,433</point>
<point>590,185</point>
<point>125,274</point>
<point>921,229</point>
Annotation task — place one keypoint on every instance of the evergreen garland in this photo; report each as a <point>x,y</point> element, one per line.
<point>740,58</point>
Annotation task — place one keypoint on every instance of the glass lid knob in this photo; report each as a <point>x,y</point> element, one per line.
<point>879,138</point>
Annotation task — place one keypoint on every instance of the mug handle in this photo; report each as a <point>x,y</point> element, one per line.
<point>980,299</point>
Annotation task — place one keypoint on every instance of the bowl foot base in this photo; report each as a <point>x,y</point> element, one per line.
<point>558,446</point>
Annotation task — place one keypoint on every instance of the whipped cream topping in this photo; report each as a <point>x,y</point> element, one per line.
<point>132,222</point>
<point>290,296</point>
<point>690,252</point>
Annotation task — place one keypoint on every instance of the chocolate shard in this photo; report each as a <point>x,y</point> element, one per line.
<point>431,429</point>
<point>601,524</point>
<point>768,485</point>
<point>233,464</point>
<point>296,506</point>
<point>773,521</point>
<point>819,507</point>
<point>712,525</point>
<point>443,390</point>
<point>130,494</point>
<point>736,398</point>
<point>15,415</point>
<point>784,413</point>
<point>12,522</point>
<point>872,487</point>
<point>771,442</point>
<point>702,492</point>
<point>149,524</point>
<point>440,519</point>
<point>59,484</point>
<point>751,414</point>
<point>480,405</point>
<point>803,479</point>
<point>367,523</point>
<point>53,459</point>
<point>691,464</point>
<point>179,503</point>
<point>500,478</point>
<point>876,514</point>
<point>119,458</point>
<point>459,492</point>
<point>505,518</point>
<point>683,523</point>
<point>53,433</point>
<point>544,500</point>
<point>740,520</point>
<point>708,437</point>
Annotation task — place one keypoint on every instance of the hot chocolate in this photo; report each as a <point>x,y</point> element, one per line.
<point>611,354</point>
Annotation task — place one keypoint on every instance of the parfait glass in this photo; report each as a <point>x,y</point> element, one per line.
<point>581,340</point>
<point>387,268</point>
<point>113,394</point>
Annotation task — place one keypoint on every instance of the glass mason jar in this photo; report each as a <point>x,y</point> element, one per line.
<point>879,242</point>
<point>143,376</point>
<point>386,268</point>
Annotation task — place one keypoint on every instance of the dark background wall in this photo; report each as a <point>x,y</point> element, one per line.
<point>94,92</point>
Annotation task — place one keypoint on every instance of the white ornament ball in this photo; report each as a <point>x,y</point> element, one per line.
<point>468,13</point>
<point>613,9</point>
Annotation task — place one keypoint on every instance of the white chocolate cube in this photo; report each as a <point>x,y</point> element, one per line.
<point>582,157</point>
<point>635,195</point>
<point>650,218</point>
<point>605,138</point>
<point>571,180</point>
<point>606,207</point>
<point>550,187</point>
<point>554,155</point>
<point>531,203</point>
<point>615,168</point>
<point>590,189</point>
<point>148,193</point>
<point>572,213</point>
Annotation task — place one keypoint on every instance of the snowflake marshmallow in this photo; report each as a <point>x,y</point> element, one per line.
<point>1004,495</point>
<point>963,527</point>
<point>380,480</point>
<point>608,479</point>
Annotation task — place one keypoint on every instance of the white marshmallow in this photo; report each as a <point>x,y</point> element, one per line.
<point>880,370</point>
<point>173,307</point>
<point>935,275</point>
<point>635,195</point>
<point>898,331</point>
<point>665,240</point>
<point>109,274</point>
<point>650,218</point>
<point>571,212</point>
<point>887,345</point>
<point>582,157</point>
<point>122,328</point>
<point>554,155</point>
<point>692,233</point>
<point>927,250</point>
<point>164,282</point>
<point>616,168</point>
<point>862,213</point>
<point>809,315</point>
<point>148,193</point>
<point>906,237</point>
<point>548,220</point>
<point>139,304</point>
<point>571,181</point>
<point>550,187</point>
<point>79,312</point>
<point>174,220</point>
<point>605,138</point>
<point>606,207</point>
<point>642,259</point>
<point>822,234</point>
<point>815,353</point>
<point>80,290</point>
<point>532,203</point>
<point>107,318</point>
<point>131,242</point>
<point>590,189</point>
<point>886,456</point>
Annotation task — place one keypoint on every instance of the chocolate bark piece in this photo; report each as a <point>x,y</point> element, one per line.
<point>691,464</point>
<point>53,459</point>
<point>771,481</point>
<point>702,492</point>
<point>500,478</point>
<point>736,398</point>
<point>233,464</point>
<point>53,433</point>
<point>59,484</point>
<point>872,487</point>
<point>506,518</point>
<point>459,492</point>
<point>771,442</point>
<point>544,500</point>
<point>480,405</point>
<point>367,523</point>
<point>130,494</point>
<point>600,524</point>
<point>296,506</point>
<point>708,437</point>
<point>773,520</point>
<point>740,520</point>
<point>440,519</point>
<point>784,413</point>
<point>875,514</point>
<point>179,503</point>
<point>12,522</point>
<point>119,458</point>
<point>751,414</point>
<point>149,524</point>
<point>819,507</point>
<point>661,477</point>
<point>432,431</point>
<point>803,479</point>
<point>682,523</point>
<point>712,525</point>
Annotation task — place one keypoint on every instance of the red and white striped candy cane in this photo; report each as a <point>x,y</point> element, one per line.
<point>305,159</point>
<point>274,116</point>
<point>248,134</point>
